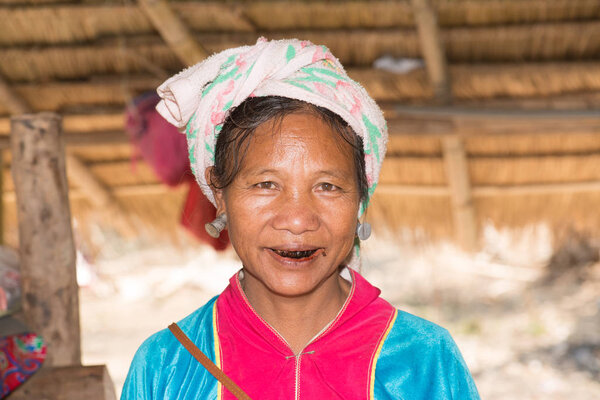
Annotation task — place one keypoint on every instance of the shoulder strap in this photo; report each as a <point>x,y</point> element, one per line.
<point>207,363</point>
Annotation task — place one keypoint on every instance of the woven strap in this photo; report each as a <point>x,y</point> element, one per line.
<point>207,363</point>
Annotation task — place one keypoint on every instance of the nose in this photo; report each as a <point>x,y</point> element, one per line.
<point>297,214</point>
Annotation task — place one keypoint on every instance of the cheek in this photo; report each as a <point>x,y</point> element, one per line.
<point>246,218</point>
<point>342,219</point>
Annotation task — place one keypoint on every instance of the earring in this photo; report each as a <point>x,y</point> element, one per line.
<point>214,228</point>
<point>363,231</point>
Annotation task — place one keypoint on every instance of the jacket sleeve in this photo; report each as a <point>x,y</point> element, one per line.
<point>140,378</point>
<point>459,382</point>
<point>420,361</point>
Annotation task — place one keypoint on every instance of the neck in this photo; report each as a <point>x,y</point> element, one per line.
<point>298,319</point>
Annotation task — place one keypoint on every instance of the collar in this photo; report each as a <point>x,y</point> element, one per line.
<point>234,306</point>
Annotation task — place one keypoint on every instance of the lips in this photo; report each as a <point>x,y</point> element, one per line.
<point>296,255</point>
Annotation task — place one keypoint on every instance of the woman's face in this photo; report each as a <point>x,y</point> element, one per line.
<point>292,208</point>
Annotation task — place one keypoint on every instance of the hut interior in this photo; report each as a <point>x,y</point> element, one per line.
<point>521,97</point>
<point>492,105</point>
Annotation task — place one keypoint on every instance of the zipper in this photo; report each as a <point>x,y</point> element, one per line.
<point>298,356</point>
<point>297,383</point>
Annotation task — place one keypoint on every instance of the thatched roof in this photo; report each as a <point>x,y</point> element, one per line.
<point>87,59</point>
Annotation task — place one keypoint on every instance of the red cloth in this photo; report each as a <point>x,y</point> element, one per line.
<point>197,211</point>
<point>164,148</point>
<point>20,357</point>
<point>158,142</point>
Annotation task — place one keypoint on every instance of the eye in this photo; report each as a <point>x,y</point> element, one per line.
<point>328,187</point>
<point>266,185</point>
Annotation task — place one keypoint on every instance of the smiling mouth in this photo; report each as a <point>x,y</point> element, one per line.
<point>296,255</point>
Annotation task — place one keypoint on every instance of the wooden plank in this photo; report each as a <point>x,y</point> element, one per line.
<point>540,190</point>
<point>441,121</point>
<point>122,192</point>
<point>413,190</point>
<point>432,49</point>
<point>402,120</point>
<point>483,191</point>
<point>154,189</point>
<point>84,139</point>
<point>50,298</point>
<point>98,121</point>
<point>68,383</point>
<point>463,211</point>
<point>469,82</point>
<point>173,31</point>
<point>14,103</point>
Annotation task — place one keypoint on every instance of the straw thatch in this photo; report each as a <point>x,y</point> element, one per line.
<point>75,22</point>
<point>564,41</point>
<point>88,60</point>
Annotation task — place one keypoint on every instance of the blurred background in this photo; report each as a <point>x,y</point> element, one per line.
<point>487,216</point>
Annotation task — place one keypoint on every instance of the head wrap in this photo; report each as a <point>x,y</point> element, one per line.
<point>198,98</point>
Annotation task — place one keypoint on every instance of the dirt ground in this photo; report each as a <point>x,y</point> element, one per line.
<point>526,318</point>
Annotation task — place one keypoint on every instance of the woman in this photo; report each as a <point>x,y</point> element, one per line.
<point>289,150</point>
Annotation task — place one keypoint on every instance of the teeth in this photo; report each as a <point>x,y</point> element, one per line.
<point>295,254</point>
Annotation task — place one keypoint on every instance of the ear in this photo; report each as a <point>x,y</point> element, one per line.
<point>218,193</point>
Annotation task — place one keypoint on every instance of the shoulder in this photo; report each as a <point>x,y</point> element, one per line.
<point>162,361</point>
<point>195,326</point>
<point>419,332</point>
<point>419,359</point>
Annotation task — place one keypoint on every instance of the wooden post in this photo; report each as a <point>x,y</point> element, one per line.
<point>2,198</point>
<point>433,50</point>
<point>50,297</point>
<point>463,211</point>
<point>172,29</point>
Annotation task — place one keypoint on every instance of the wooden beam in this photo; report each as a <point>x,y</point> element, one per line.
<point>432,49</point>
<point>412,190</point>
<point>83,139</point>
<point>94,127</point>
<point>156,189</point>
<point>14,103</point>
<point>97,121</point>
<point>173,31</point>
<point>73,383</point>
<point>97,193</point>
<point>472,83</point>
<point>481,191</point>
<point>50,297</point>
<point>539,189</point>
<point>442,121</point>
<point>463,211</point>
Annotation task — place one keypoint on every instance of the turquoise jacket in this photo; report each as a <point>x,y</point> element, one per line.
<point>370,351</point>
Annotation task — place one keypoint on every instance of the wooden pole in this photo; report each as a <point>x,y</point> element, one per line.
<point>50,298</point>
<point>433,49</point>
<point>457,174</point>
<point>172,29</point>
<point>2,198</point>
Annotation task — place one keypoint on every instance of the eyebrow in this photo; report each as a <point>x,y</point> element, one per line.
<point>330,172</point>
<point>257,171</point>
<point>335,173</point>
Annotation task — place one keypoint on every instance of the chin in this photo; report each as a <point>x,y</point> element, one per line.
<point>297,285</point>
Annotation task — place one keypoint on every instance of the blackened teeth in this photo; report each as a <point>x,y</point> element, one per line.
<point>295,254</point>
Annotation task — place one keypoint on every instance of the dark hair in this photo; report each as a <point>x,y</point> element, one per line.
<point>242,121</point>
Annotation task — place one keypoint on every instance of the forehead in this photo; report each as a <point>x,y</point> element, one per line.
<point>299,137</point>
